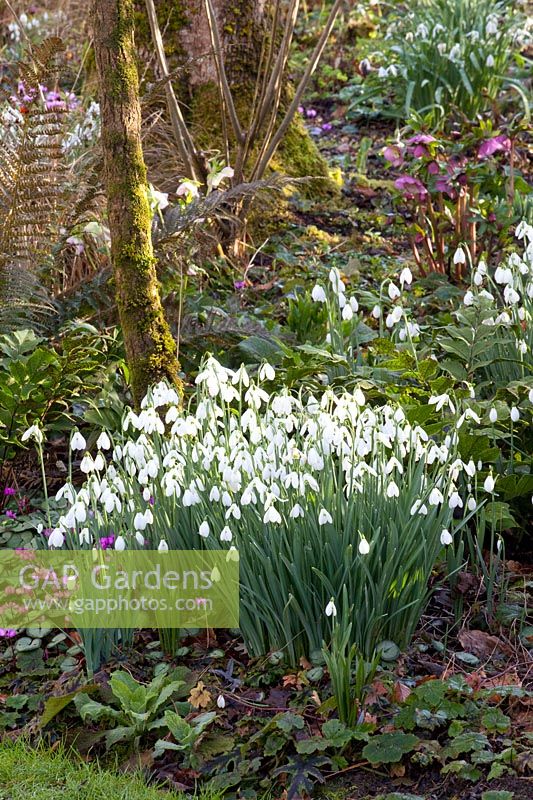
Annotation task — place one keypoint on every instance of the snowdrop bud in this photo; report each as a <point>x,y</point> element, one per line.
<point>376,313</point>
<point>364,547</point>
<point>103,442</point>
<point>446,537</point>
<point>515,414</point>
<point>468,299</point>
<point>140,538</point>
<point>318,294</point>
<point>478,278</point>
<point>120,543</point>
<point>77,442</point>
<point>163,546</point>
<point>459,256</point>
<point>347,313</point>
<point>203,530</point>
<point>331,609</point>
<point>146,494</point>
<point>493,415</point>
<point>490,60</point>
<point>221,703</point>
<point>354,305</point>
<point>139,521</point>
<point>489,484</point>
<point>406,276</point>
<point>471,504</point>
<point>393,291</point>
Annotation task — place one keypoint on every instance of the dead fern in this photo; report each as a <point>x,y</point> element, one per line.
<point>32,176</point>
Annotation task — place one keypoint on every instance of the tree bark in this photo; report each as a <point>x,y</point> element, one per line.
<point>150,347</point>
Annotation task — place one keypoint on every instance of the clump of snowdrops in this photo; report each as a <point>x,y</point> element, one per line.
<point>322,497</point>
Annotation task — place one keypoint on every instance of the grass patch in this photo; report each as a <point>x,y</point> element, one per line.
<point>39,774</point>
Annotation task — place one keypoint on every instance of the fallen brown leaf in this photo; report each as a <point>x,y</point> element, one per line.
<point>481,644</point>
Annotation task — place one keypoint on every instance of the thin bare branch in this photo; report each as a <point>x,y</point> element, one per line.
<point>186,147</point>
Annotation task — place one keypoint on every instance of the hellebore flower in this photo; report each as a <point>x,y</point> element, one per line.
<point>417,144</point>
<point>411,188</point>
<point>497,144</point>
<point>394,155</point>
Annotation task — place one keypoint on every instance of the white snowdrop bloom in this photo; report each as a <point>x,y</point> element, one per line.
<point>347,313</point>
<point>393,490</point>
<point>103,442</point>
<point>87,463</point>
<point>226,499</point>
<point>522,347</point>
<point>233,511</point>
<point>336,281</point>
<point>459,256</point>
<point>441,400</point>
<point>406,277</point>
<point>393,291</point>
<point>77,442</point>
<point>376,312</point>
<point>33,432</point>
<point>241,376</point>
<point>146,494</point>
<point>272,515</point>
<point>331,609</point>
<point>139,522</point>
<point>203,530</point>
<point>80,512</point>
<point>120,543</point>
<point>489,62</point>
<point>214,494</point>
<point>221,703</point>
<point>468,299</point>
<point>358,396</point>
<point>515,414</point>
<point>471,504</point>
<point>318,294</point>
<point>455,56</point>
<point>162,546</point>
<point>56,538</point>
<point>468,414</point>
<point>99,462</point>
<point>296,511</point>
<point>324,517</point>
<point>341,300</point>
<point>446,538</point>
<point>503,275</point>
<point>226,534</point>
<point>382,72</point>
<point>139,538</point>
<point>435,497</point>
<point>354,305</point>
<point>255,397</point>
<point>493,415</point>
<point>266,372</point>
<point>364,547</point>
<point>511,296</point>
<point>66,492</point>
<point>489,484</point>
<point>455,500</point>
<point>478,279</point>
<point>530,395</point>
<point>85,536</point>
<point>491,27</point>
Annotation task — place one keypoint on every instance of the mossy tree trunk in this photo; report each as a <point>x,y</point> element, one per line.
<point>150,347</point>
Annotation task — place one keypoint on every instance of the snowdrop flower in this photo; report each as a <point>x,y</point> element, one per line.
<point>468,299</point>
<point>139,522</point>
<point>376,312</point>
<point>459,256</point>
<point>393,490</point>
<point>406,277</point>
<point>318,294</point>
<point>120,543</point>
<point>493,415</point>
<point>511,296</point>
<point>441,400</point>
<point>364,547</point>
<point>331,609</point>
<point>489,61</point>
<point>56,538</point>
<point>435,497</point>
<point>489,484</point>
<point>347,313</point>
<point>394,317</point>
<point>103,442</point>
<point>491,27</point>
<point>140,538</point>
<point>87,463</point>
<point>515,414</point>
<point>33,432</point>
<point>530,395</point>
<point>446,537</point>
<point>99,463</point>
<point>214,494</point>
<point>354,305</point>
<point>324,517</point>
<point>272,515</point>
<point>296,511</point>
<point>455,501</point>
<point>221,703</point>
<point>266,372</point>
<point>85,536</point>
<point>203,530</point>
<point>163,546</point>
<point>393,291</point>
<point>468,414</point>
<point>471,504</point>
<point>226,534</point>
<point>77,442</point>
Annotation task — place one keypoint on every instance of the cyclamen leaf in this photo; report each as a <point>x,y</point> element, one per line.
<point>389,748</point>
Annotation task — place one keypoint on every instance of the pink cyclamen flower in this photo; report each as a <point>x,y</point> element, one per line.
<point>394,155</point>
<point>9,491</point>
<point>497,144</point>
<point>8,633</point>
<point>411,188</point>
<point>11,514</point>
